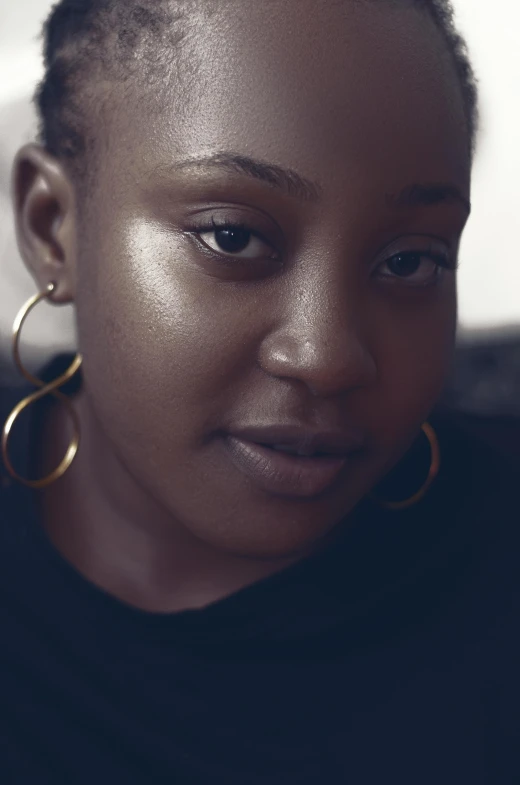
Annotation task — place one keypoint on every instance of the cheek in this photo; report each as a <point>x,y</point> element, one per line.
<point>157,338</point>
<point>414,349</point>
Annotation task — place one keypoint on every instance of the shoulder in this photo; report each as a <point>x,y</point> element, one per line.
<point>482,459</point>
<point>14,498</point>
<point>498,435</point>
<point>481,453</point>
<point>10,396</point>
<point>26,428</point>
<point>482,456</point>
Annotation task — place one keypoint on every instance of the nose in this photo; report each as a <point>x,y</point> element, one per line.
<point>320,344</point>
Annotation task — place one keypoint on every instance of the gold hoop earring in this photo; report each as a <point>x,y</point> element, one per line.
<point>435,462</point>
<point>44,389</point>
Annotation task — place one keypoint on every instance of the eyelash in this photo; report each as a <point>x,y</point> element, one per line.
<point>216,226</point>
<point>443,261</point>
<point>229,260</point>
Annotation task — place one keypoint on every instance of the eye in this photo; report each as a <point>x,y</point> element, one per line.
<point>236,240</point>
<point>418,268</point>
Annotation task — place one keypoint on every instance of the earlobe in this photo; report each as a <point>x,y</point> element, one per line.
<point>44,204</point>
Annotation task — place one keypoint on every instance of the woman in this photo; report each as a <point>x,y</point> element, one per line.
<point>267,563</point>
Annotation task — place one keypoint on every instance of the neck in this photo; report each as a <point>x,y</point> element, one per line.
<point>121,539</point>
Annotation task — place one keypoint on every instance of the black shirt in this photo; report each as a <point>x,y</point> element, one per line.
<point>393,656</point>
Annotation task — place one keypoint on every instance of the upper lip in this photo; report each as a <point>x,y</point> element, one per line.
<point>302,439</point>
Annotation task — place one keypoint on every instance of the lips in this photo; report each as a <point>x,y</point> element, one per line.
<point>295,450</point>
<point>293,461</point>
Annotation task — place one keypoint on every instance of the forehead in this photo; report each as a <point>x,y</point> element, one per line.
<point>340,91</point>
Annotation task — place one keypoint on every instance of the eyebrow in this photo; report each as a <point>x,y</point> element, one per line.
<point>299,187</point>
<point>286,180</point>
<point>427,195</point>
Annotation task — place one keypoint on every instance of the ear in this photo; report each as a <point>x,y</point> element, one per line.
<point>44,205</point>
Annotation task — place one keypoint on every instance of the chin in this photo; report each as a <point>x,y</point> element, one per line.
<point>282,534</point>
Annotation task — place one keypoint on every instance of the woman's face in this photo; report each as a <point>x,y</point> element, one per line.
<point>268,257</point>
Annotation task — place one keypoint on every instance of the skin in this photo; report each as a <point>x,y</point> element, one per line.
<point>179,347</point>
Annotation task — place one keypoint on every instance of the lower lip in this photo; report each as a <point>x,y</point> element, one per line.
<point>282,473</point>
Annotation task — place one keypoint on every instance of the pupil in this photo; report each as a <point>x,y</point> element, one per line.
<point>405,264</point>
<point>233,239</point>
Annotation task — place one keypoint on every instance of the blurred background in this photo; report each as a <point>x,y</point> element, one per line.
<point>487,372</point>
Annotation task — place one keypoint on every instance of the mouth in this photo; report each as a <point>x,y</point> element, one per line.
<point>292,462</point>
